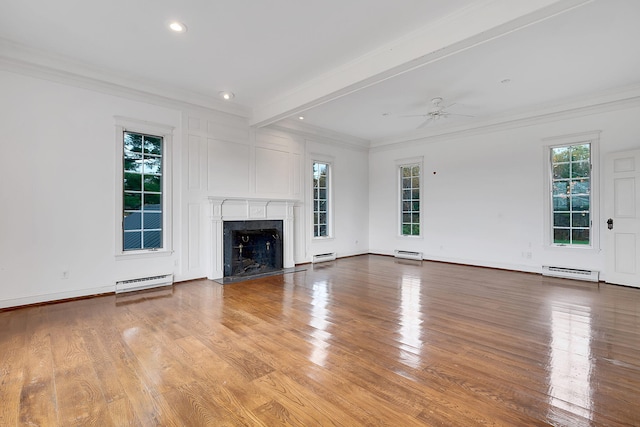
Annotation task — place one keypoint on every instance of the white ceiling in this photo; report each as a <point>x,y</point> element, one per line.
<point>341,63</point>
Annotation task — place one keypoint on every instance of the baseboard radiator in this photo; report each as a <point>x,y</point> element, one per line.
<point>144,283</point>
<point>570,273</point>
<point>408,255</point>
<point>331,256</point>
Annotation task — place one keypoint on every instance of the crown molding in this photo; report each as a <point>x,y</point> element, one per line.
<point>602,102</point>
<point>44,65</point>
<point>315,132</point>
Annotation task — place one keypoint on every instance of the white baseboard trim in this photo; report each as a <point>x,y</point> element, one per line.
<point>36,299</point>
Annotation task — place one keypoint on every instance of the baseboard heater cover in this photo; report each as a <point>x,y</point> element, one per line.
<point>408,255</point>
<point>331,256</point>
<point>571,273</point>
<point>144,283</point>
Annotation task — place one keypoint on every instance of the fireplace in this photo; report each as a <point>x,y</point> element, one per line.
<point>273,216</point>
<point>252,247</point>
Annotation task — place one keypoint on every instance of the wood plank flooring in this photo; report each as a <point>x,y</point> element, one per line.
<point>368,340</point>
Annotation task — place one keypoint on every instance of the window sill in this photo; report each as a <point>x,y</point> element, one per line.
<point>143,254</point>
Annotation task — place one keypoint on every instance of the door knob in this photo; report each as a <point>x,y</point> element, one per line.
<point>610,224</point>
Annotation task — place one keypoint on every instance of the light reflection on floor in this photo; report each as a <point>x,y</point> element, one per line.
<point>571,364</point>
<point>319,315</point>
<point>411,316</point>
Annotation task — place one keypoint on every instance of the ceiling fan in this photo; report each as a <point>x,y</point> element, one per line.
<point>437,112</point>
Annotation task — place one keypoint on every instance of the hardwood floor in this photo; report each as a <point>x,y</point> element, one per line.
<point>368,340</point>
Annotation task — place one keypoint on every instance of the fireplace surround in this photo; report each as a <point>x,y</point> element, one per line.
<point>254,212</point>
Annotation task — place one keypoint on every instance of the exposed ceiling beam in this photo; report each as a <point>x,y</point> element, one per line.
<point>482,21</point>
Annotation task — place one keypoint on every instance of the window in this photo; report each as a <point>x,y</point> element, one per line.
<point>142,191</point>
<point>571,194</point>
<point>410,199</point>
<point>320,199</point>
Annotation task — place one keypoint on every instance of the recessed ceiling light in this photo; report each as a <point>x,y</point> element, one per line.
<point>226,95</point>
<point>300,117</point>
<point>505,81</point>
<point>178,27</point>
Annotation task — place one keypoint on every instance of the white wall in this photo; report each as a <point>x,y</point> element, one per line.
<point>58,185</point>
<point>484,204</point>
<point>58,189</point>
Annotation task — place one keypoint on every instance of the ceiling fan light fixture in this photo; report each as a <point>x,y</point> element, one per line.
<point>226,95</point>
<point>177,27</point>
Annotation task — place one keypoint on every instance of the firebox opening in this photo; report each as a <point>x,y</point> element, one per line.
<point>252,247</point>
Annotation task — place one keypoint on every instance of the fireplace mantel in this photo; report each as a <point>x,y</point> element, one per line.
<point>244,209</point>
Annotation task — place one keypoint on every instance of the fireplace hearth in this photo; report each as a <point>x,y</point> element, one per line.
<point>252,247</point>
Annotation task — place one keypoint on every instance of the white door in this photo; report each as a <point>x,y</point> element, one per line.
<point>622,216</point>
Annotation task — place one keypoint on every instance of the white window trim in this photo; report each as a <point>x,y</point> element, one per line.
<point>411,161</point>
<point>329,160</point>
<point>166,132</point>
<point>593,138</point>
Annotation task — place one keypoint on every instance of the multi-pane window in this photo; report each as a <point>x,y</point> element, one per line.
<point>571,194</point>
<point>410,199</point>
<point>320,199</point>
<point>142,191</point>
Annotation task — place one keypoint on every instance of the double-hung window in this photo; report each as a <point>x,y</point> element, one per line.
<point>571,194</point>
<point>410,199</point>
<point>321,199</point>
<point>143,193</point>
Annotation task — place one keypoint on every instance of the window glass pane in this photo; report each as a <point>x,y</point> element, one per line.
<point>322,194</point>
<point>580,152</point>
<point>561,220</point>
<point>152,220</point>
<point>406,229</point>
<point>581,219</point>
<point>580,236</point>
<point>153,145</point>
<point>152,165</point>
<point>153,183</point>
<point>580,169</point>
<point>406,172</point>
<point>561,170</point>
<point>132,201</point>
<point>560,188</point>
<point>406,218</point>
<point>152,202</point>
<point>415,229</point>
<point>581,186</point>
<point>561,203</point>
<point>580,203</point>
<point>132,162</point>
<point>133,142</point>
<point>152,239</point>
<point>132,240</point>
<point>561,236</point>
<point>560,154</point>
<point>415,194</point>
<point>132,181</point>
<point>322,230</point>
<point>132,221</point>
<point>406,182</point>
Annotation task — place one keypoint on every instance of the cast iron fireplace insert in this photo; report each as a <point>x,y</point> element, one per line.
<point>252,247</point>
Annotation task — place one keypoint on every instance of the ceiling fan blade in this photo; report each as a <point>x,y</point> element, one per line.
<point>425,123</point>
<point>414,115</point>
<point>459,115</point>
